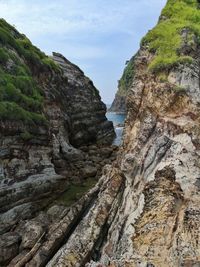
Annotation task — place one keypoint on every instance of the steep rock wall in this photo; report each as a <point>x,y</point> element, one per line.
<point>47,113</point>
<point>88,123</point>
<point>153,220</point>
<point>119,104</point>
<point>147,210</point>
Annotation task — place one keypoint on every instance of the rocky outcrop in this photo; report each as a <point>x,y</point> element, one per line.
<point>34,235</point>
<point>51,119</point>
<point>144,210</point>
<point>147,210</point>
<point>119,104</point>
<point>153,220</point>
<point>84,107</point>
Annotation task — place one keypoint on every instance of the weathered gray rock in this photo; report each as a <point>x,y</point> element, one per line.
<point>75,115</point>
<point>85,109</point>
<point>9,247</point>
<point>119,104</point>
<point>31,230</point>
<point>89,171</point>
<point>39,162</point>
<point>82,242</point>
<point>144,211</point>
<point>55,212</point>
<point>153,219</point>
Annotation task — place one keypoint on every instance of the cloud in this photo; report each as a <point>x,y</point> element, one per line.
<point>72,16</point>
<point>98,35</point>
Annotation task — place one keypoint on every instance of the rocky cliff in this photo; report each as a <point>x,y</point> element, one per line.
<point>146,208</point>
<point>119,104</point>
<point>144,211</point>
<point>53,131</point>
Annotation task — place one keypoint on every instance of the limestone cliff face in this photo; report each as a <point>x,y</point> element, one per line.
<point>47,112</point>
<point>119,104</point>
<point>146,212</point>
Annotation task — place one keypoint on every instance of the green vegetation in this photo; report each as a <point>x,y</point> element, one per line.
<point>20,97</point>
<point>26,136</point>
<point>126,78</point>
<point>10,38</point>
<point>180,89</point>
<point>3,56</point>
<point>165,39</point>
<point>12,111</point>
<point>50,63</point>
<point>75,192</point>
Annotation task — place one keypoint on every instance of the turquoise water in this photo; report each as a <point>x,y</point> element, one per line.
<point>115,118</point>
<point>118,121</point>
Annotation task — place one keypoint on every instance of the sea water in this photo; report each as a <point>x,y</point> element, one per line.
<point>118,122</point>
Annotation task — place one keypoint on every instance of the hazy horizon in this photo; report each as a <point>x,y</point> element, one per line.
<point>98,36</point>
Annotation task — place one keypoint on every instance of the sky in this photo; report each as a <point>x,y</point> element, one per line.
<point>97,35</point>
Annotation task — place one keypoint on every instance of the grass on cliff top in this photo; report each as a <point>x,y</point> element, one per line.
<point>165,38</point>
<point>20,97</point>
<point>11,38</point>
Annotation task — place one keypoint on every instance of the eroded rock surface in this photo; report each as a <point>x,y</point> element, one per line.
<point>153,219</point>
<point>119,104</point>
<point>144,211</point>
<point>39,161</point>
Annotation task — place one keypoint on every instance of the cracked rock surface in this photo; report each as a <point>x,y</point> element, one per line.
<point>144,210</point>
<point>151,216</point>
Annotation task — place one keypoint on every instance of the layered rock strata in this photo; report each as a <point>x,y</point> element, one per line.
<point>48,111</point>
<point>152,216</point>
<point>144,211</point>
<point>119,104</point>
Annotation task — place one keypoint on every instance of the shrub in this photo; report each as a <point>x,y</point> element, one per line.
<point>3,56</point>
<point>26,136</point>
<point>11,38</point>
<point>162,77</point>
<point>20,97</point>
<point>50,63</point>
<point>12,111</point>
<point>165,39</point>
<point>21,90</point>
<point>127,77</point>
<point>20,71</point>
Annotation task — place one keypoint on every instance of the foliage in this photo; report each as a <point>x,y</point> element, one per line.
<point>127,77</point>
<point>162,77</point>
<point>12,111</point>
<point>3,56</point>
<point>9,37</point>
<point>26,136</point>
<point>20,97</point>
<point>165,39</point>
<point>51,64</point>
<point>20,92</point>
